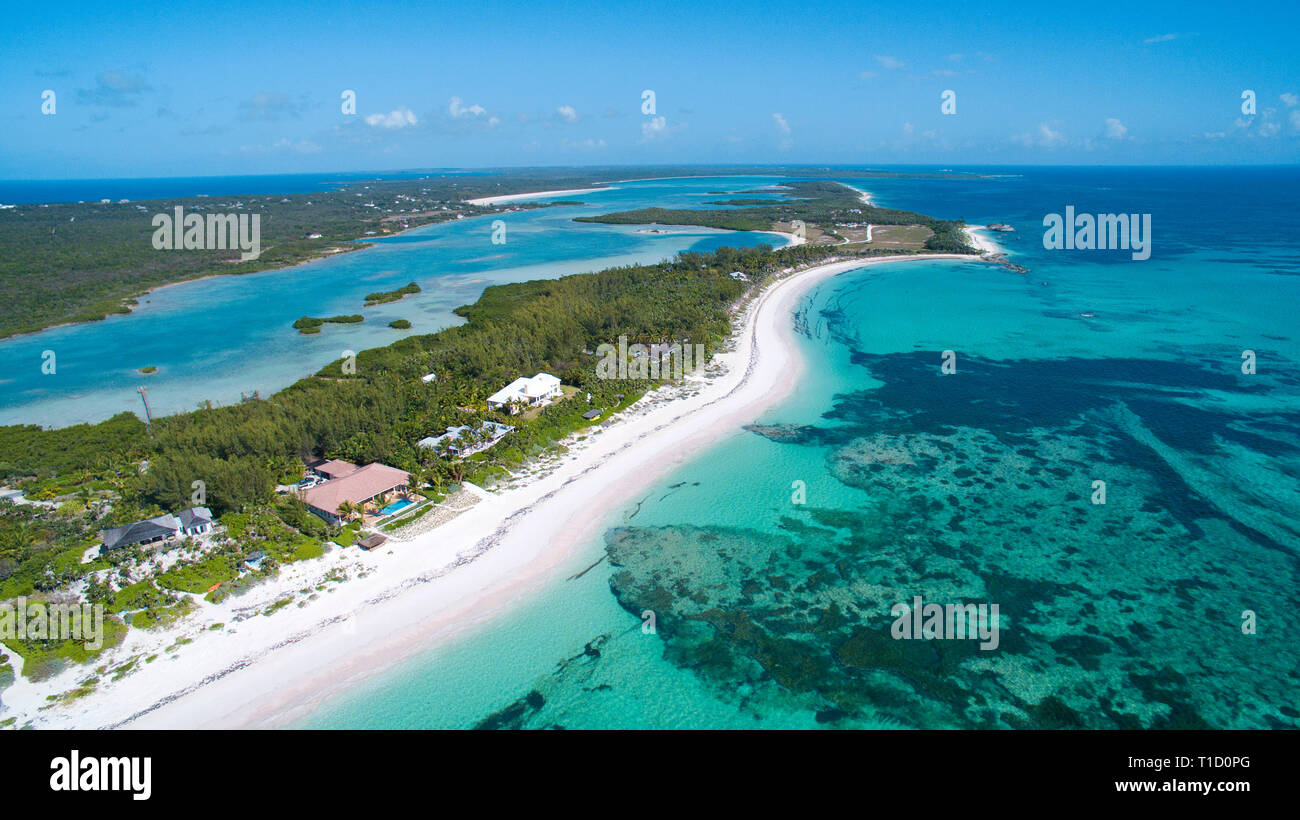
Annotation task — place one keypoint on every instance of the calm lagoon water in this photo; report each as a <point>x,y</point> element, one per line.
<point>217,338</point>
<point>972,487</point>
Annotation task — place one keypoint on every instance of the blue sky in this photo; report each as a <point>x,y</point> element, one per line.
<point>179,89</point>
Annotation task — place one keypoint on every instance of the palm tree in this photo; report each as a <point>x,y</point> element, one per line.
<point>419,476</point>
<point>346,510</point>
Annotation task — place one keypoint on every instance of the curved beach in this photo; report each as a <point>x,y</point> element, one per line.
<point>271,671</point>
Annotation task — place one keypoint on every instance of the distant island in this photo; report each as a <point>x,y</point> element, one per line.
<point>148,371</point>
<point>383,297</point>
<point>312,324</point>
<point>82,261</point>
<point>832,213</point>
<point>400,324</point>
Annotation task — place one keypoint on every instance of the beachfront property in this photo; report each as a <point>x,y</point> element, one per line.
<point>329,469</point>
<point>193,521</point>
<point>356,488</point>
<point>538,391</point>
<point>429,377</point>
<point>464,441</point>
<point>739,276</point>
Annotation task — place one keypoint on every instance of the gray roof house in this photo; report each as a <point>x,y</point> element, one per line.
<point>195,520</point>
<point>141,532</point>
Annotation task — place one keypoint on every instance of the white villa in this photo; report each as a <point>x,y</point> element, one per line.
<point>538,391</point>
<point>462,441</point>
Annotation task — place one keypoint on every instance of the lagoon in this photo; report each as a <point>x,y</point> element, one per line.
<point>221,338</point>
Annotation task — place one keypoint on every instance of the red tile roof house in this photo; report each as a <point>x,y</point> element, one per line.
<point>333,468</point>
<point>357,487</point>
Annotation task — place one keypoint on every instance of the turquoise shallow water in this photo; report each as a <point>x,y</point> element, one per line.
<point>974,487</point>
<point>221,337</point>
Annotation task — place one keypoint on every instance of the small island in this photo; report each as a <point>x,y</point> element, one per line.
<point>148,371</point>
<point>400,324</point>
<point>311,324</point>
<point>383,297</point>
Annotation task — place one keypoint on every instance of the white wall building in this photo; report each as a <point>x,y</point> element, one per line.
<point>538,391</point>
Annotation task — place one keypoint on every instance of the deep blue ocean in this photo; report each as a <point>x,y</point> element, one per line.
<point>1173,604</point>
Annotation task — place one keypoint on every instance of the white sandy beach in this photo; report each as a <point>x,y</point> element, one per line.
<point>980,239</point>
<point>864,196</point>
<point>258,670</point>
<point>494,200</point>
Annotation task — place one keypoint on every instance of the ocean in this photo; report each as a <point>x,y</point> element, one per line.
<point>1098,464</point>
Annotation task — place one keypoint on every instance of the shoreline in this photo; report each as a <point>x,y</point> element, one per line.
<point>443,582</point>
<point>981,241</point>
<point>495,200</point>
<point>361,243</point>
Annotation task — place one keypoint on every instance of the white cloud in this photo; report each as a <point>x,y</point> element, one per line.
<point>1161,38</point>
<point>583,145</point>
<point>890,63</point>
<point>867,75</point>
<point>784,128</point>
<point>299,147</point>
<point>1295,119</point>
<point>654,128</point>
<point>282,145</point>
<point>458,109</point>
<point>567,113</point>
<point>1045,137</point>
<point>908,129</point>
<point>943,72</point>
<point>1115,129</point>
<point>397,118</point>
<point>1291,100</point>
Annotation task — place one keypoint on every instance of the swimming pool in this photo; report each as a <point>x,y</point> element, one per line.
<point>396,506</point>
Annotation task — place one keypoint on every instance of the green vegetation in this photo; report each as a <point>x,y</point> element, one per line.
<point>200,576</point>
<point>390,295</point>
<point>148,370</point>
<point>117,471</point>
<point>400,324</point>
<point>821,202</point>
<point>45,658</point>
<point>76,262</point>
<point>311,324</point>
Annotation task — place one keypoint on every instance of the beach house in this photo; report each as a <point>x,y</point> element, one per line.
<point>463,441</point>
<point>141,532</point>
<point>538,391</point>
<point>195,521</point>
<point>332,468</point>
<point>192,521</point>
<point>361,486</point>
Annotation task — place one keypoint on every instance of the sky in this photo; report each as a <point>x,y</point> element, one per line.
<point>198,89</point>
